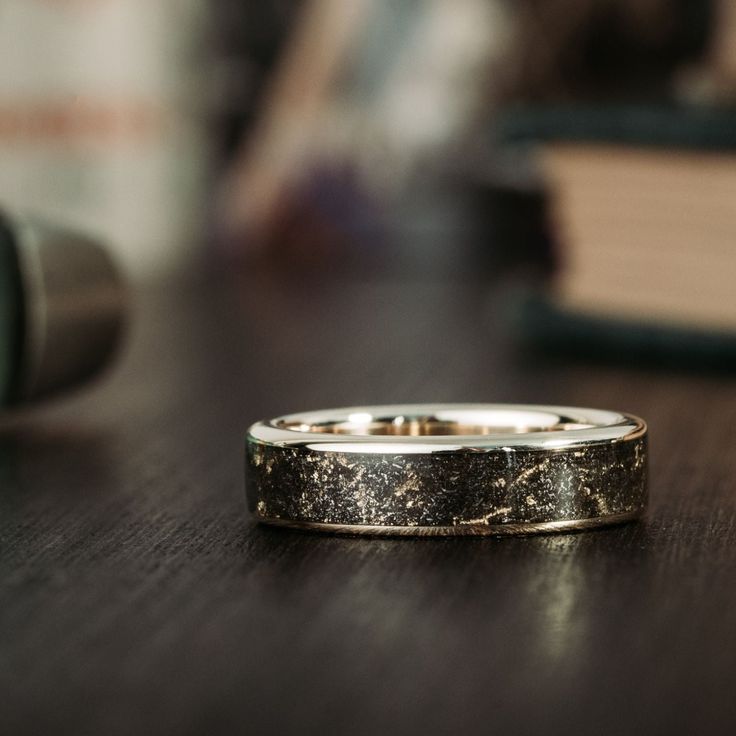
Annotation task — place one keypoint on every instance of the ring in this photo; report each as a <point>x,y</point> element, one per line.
<point>448,469</point>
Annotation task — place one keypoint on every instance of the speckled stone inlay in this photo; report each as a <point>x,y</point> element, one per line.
<point>447,489</point>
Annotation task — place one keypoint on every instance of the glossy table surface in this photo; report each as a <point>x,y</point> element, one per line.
<point>137,597</point>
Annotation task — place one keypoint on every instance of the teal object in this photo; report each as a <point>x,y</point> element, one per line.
<point>546,326</point>
<point>666,126</point>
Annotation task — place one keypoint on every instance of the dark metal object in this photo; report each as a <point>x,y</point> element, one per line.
<point>73,306</point>
<point>446,470</point>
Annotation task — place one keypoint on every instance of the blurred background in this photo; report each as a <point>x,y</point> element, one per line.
<point>587,144</point>
<point>354,202</point>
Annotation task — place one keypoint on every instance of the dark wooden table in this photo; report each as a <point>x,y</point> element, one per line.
<point>137,597</point>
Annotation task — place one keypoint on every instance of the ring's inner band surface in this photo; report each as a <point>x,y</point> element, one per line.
<point>468,423</point>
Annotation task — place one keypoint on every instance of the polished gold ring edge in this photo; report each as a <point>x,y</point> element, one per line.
<point>459,530</point>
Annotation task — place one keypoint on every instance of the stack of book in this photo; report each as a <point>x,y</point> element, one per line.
<point>643,206</point>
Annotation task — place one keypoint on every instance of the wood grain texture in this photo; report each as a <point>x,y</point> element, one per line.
<point>136,597</point>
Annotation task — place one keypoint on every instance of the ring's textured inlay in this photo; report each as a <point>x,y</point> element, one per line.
<point>451,469</point>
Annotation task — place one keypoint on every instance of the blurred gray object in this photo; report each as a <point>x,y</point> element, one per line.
<point>73,305</point>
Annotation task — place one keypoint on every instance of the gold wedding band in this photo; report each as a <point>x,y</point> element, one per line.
<point>448,469</point>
